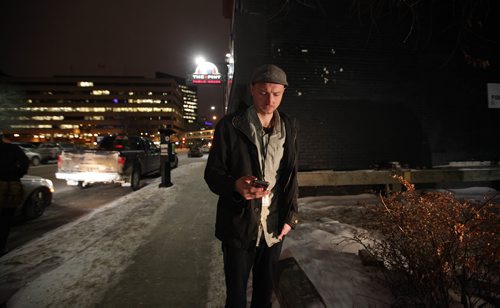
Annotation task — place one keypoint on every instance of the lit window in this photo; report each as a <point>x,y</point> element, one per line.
<point>48,118</point>
<point>85,84</point>
<point>100,92</point>
<point>94,118</point>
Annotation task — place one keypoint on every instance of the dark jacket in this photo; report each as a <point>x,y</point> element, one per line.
<point>234,155</point>
<point>13,162</point>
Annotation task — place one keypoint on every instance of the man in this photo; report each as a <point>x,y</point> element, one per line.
<point>253,218</point>
<point>13,166</point>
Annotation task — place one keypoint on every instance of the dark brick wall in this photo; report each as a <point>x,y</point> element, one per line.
<point>347,135</point>
<point>363,94</point>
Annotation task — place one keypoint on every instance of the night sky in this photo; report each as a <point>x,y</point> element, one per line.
<point>113,37</point>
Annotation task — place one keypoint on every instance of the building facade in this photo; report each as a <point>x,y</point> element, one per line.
<point>189,95</point>
<point>202,137</point>
<point>79,109</point>
<point>371,85</point>
<point>190,103</point>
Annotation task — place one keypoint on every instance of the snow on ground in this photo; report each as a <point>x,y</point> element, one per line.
<point>73,265</point>
<point>321,246</point>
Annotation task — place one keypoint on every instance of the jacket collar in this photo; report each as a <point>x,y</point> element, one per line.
<point>248,122</point>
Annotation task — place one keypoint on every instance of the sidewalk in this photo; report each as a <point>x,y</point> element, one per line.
<point>154,247</point>
<point>175,267</point>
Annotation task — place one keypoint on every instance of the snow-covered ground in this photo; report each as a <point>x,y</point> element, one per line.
<point>322,248</point>
<point>72,265</point>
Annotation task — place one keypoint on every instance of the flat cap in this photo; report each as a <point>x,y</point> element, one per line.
<point>269,73</point>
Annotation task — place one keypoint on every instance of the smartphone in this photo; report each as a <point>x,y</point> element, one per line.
<point>259,183</point>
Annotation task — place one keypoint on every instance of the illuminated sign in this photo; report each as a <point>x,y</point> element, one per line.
<point>206,73</point>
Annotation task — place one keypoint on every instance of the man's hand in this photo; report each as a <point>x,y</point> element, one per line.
<point>245,188</point>
<point>284,231</point>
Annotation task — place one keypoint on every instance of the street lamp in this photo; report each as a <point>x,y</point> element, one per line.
<point>208,73</point>
<point>199,60</point>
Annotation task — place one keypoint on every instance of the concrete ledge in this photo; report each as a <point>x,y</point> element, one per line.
<point>384,177</point>
<point>294,289</point>
<point>341,178</point>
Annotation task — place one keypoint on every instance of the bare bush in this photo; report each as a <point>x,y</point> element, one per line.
<point>437,249</point>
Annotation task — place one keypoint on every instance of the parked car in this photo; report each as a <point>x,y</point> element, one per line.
<point>68,146</point>
<point>37,196</point>
<point>27,145</point>
<point>34,157</point>
<point>48,150</point>
<point>195,151</point>
<point>205,148</point>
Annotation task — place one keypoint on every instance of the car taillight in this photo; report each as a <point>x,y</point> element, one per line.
<point>121,161</point>
<point>59,161</point>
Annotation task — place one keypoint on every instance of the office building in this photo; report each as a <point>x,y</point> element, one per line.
<point>81,108</point>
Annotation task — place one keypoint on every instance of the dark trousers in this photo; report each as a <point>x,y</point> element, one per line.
<point>263,262</point>
<point>6,217</point>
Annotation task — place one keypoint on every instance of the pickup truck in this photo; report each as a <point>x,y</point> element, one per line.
<point>117,159</point>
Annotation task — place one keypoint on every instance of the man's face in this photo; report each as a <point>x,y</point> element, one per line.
<point>267,96</point>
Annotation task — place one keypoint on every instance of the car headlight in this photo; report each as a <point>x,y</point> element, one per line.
<point>50,185</point>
